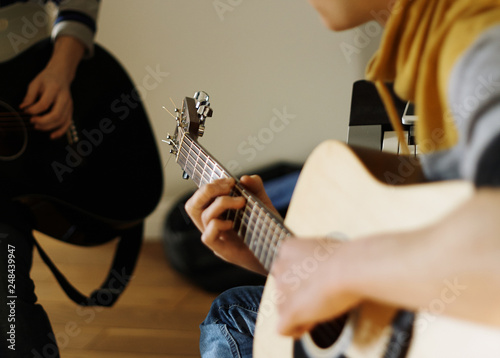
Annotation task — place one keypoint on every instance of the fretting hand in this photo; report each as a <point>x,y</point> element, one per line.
<point>207,205</point>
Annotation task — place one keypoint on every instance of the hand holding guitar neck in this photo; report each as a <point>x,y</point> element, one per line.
<point>206,208</point>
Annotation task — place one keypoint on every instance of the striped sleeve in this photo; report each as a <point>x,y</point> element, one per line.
<point>77,18</point>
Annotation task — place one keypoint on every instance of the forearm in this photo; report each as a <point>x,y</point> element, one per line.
<point>456,261</point>
<point>67,54</point>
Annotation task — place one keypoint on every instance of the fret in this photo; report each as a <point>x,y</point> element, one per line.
<point>206,172</point>
<point>193,161</point>
<point>256,226</point>
<point>214,176</point>
<point>196,177</point>
<point>235,217</point>
<point>211,164</point>
<point>181,160</point>
<point>267,240</point>
<point>278,234</point>
<point>207,176</point>
<point>197,173</point>
<point>186,165</point>
<point>194,148</point>
<point>242,225</point>
<point>256,235</point>
<point>274,251</point>
<point>182,157</point>
<point>218,172</point>
<point>251,227</point>
<point>277,231</point>
<point>264,235</point>
<point>268,259</point>
<point>248,221</point>
<point>191,153</point>
<point>203,159</point>
<point>190,163</point>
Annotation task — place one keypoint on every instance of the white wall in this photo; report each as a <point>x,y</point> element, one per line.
<point>255,58</point>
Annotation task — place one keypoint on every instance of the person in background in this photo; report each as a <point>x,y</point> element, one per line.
<point>442,55</point>
<point>25,328</point>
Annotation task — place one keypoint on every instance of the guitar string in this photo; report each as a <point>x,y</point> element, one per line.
<point>194,166</point>
<point>263,248</point>
<point>253,237</point>
<point>191,161</point>
<point>15,122</point>
<point>268,225</point>
<point>14,116</point>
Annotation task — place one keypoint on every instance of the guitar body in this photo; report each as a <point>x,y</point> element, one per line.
<point>107,180</point>
<point>336,195</point>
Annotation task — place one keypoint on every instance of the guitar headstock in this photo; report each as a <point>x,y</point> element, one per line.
<point>190,119</point>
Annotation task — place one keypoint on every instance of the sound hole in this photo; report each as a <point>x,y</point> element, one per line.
<point>326,334</point>
<point>13,133</point>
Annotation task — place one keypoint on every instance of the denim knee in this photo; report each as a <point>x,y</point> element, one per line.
<point>229,327</point>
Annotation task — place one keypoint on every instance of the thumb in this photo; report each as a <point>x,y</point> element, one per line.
<point>253,183</point>
<point>31,95</point>
<point>295,331</point>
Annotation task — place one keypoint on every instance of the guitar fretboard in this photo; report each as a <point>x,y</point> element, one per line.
<point>261,229</point>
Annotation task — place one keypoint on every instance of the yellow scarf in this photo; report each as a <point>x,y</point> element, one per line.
<point>422,41</point>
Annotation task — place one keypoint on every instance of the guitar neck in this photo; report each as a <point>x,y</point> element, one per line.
<point>261,229</point>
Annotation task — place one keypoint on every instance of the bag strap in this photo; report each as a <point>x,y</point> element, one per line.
<point>119,275</point>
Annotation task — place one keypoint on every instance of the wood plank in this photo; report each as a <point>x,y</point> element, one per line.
<point>147,341</point>
<point>104,354</point>
<point>157,316</point>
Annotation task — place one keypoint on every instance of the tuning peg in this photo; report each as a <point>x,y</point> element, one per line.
<point>168,140</point>
<point>205,111</point>
<point>202,99</point>
<point>176,110</point>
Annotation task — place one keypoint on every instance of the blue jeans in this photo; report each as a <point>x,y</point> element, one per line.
<point>229,327</point>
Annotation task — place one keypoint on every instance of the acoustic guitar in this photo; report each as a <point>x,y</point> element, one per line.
<point>337,195</point>
<point>104,176</point>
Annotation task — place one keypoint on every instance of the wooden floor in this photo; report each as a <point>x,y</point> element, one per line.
<point>157,316</point>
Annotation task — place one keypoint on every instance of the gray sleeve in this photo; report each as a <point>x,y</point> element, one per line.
<point>77,18</point>
<point>474,98</point>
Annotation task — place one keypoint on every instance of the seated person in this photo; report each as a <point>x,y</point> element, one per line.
<point>448,66</point>
<point>48,101</point>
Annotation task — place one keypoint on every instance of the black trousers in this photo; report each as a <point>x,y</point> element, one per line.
<point>25,329</point>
